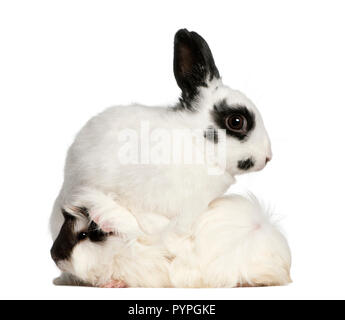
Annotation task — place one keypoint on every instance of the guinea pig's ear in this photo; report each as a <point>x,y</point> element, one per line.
<point>76,211</point>
<point>193,63</point>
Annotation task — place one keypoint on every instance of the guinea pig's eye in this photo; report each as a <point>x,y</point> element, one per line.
<point>237,123</point>
<point>82,236</point>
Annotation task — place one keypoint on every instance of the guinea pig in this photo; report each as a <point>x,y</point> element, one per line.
<point>106,259</point>
<point>157,159</point>
<point>233,243</point>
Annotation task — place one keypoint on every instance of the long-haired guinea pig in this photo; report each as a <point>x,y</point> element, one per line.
<point>231,244</point>
<point>118,152</point>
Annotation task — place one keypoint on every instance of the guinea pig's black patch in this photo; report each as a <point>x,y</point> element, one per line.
<point>245,164</point>
<point>95,234</point>
<point>66,240</point>
<point>211,134</point>
<point>221,111</point>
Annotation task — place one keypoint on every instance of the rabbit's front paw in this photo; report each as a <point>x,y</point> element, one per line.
<point>104,210</point>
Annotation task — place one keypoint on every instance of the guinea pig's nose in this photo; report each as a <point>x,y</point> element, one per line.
<point>268,159</point>
<point>54,255</point>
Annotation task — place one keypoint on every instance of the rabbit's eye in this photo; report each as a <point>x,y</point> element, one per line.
<point>82,236</point>
<point>236,119</point>
<point>237,123</point>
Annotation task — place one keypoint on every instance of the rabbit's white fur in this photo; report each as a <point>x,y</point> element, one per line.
<point>139,199</point>
<point>169,190</point>
<point>233,243</point>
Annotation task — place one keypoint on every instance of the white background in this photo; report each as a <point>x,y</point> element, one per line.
<point>61,62</point>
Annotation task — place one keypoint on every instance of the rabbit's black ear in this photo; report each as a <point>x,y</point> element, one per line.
<point>193,63</point>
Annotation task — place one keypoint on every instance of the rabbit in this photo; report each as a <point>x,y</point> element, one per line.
<point>232,244</point>
<point>97,177</point>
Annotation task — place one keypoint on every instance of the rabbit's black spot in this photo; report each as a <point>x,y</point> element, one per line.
<point>193,65</point>
<point>222,112</point>
<point>66,240</point>
<point>245,164</point>
<point>211,134</point>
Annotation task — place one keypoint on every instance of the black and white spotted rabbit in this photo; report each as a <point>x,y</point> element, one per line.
<point>119,176</point>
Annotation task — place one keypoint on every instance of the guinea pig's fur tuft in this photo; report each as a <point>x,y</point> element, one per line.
<point>232,244</point>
